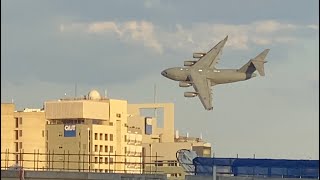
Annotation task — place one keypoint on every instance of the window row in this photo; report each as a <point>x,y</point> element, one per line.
<point>101,160</point>
<point>105,137</point>
<point>100,149</point>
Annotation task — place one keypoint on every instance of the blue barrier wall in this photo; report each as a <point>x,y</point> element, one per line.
<point>257,167</point>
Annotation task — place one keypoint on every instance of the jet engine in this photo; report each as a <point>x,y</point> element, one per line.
<point>198,55</point>
<point>190,94</point>
<point>184,84</point>
<point>189,63</point>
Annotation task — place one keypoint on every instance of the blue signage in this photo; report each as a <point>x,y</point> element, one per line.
<point>70,130</point>
<point>148,125</point>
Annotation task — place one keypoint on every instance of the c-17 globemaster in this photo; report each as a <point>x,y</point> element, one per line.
<point>202,74</point>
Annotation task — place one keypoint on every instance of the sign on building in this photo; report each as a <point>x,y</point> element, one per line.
<point>70,130</point>
<point>148,125</point>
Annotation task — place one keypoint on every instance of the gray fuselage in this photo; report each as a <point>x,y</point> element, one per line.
<point>217,76</point>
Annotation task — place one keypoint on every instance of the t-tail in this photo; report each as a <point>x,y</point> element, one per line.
<point>256,63</point>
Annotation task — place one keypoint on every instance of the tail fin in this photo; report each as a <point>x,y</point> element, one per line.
<point>256,64</point>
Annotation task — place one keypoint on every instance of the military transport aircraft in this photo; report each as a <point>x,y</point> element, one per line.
<point>202,74</point>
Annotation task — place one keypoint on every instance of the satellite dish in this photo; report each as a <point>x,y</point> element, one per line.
<point>185,158</point>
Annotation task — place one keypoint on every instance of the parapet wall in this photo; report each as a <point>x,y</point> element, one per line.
<point>49,175</point>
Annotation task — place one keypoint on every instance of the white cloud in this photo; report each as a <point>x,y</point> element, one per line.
<point>199,36</point>
<point>313,26</point>
<point>103,27</point>
<point>271,26</point>
<point>128,31</point>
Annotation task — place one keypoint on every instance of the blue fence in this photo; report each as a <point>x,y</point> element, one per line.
<point>257,167</point>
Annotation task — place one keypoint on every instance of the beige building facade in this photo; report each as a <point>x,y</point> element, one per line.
<point>93,131</point>
<point>21,132</point>
<point>96,134</point>
<point>160,144</point>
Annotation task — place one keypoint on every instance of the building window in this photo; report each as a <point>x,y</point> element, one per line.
<point>110,123</point>
<point>111,137</point>
<point>172,163</point>
<point>101,148</point>
<point>106,137</point>
<point>95,136</point>
<point>111,160</point>
<point>20,120</point>
<point>100,170</point>
<point>105,148</point>
<point>106,160</point>
<point>101,136</point>
<point>42,133</point>
<point>125,150</point>
<point>16,146</point>
<point>20,133</point>
<point>118,115</point>
<point>17,122</point>
<point>17,158</point>
<point>20,145</point>
<point>89,135</point>
<point>95,148</point>
<point>95,159</point>
<point>111,149</point>
<point>125,138</point>
<point>16,134</point>
<point>100,160</point>
<point>159,163</point>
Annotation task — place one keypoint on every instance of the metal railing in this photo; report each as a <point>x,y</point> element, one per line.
<point>80,162</point>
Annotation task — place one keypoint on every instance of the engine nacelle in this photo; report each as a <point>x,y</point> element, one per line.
<point>189,63</point>
<point>190,94</point>
<point>198,55</point>
<point>184,84</point>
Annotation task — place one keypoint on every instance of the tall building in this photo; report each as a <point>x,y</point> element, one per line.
<point>22,137</point>
<point>93,133</point>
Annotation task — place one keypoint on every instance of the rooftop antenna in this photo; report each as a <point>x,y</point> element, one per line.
<point>105,93</point>
<point>75,90</point>
<point>155,99</point>
<point>12,101</point>
<point>200,135</point>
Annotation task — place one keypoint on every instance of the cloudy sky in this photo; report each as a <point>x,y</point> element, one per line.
<point>49,46</point>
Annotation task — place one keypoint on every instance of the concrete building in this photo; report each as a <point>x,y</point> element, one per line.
<point>22,131</point>
<point>93,133</point>
<point>97,134</point>
<point>160,144</point>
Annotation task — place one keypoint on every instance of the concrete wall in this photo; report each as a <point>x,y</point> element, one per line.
<point>77,109</point>
<point>189,177</point>
<point>45,175</point>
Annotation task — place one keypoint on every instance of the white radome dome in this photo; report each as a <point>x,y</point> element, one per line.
<point>94,95</point>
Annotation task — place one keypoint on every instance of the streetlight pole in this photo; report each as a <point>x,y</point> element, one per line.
<point>89,151</point>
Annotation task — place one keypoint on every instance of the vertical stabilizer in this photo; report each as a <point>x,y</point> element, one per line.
<point>256,64</point>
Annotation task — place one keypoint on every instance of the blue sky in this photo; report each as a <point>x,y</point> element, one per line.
<point>122,46</point>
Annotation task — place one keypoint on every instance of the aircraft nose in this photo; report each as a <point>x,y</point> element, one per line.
<point>164,73</point>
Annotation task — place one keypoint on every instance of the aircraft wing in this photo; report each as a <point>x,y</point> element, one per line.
<point>212,57</point>
<point>202,86</point>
